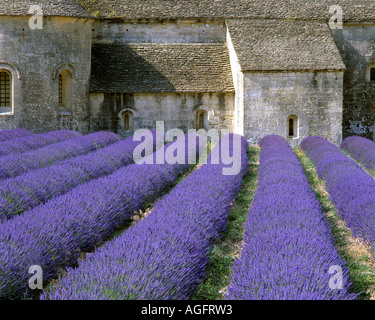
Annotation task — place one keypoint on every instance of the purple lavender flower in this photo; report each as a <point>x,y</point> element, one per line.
<point>361,149</point>
<point>165,255</point>
<point>351,189</point>
<point>6,135</point>
<point>35,141</point>
<point>55,234</point>
<point>38,186</point>
<point>288,246</point>
<point>14,165</point>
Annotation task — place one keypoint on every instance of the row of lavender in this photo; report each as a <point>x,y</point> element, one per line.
<point>6,135</point>
<point>13,165</point>
<point>38,186</point>
<point>289,248</point>
<point>35,141</point>
<point>165,255</point>
<point>351,189</point>
<point>55,234</point>
<point>361,149</point>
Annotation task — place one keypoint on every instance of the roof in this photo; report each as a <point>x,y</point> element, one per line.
<point>63,8</point>
<point>275,45</point>
<point>354,10</point>
<point>158,68</point>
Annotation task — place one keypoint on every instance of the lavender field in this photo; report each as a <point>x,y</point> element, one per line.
<point>101,226</point>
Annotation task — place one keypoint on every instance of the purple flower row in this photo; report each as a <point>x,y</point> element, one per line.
<point>36,141</point>
<point>55,234</point>
<point>288,246</point>
<point>38,186</point>
<point>165,255</point>
<point>351,189</point>
<point>361,149</point>
<point>6,135</point>
<point>14,165</point>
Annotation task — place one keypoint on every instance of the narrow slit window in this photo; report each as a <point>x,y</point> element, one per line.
<point>291,127</point>
<point>5,89</point>
<point>372,74</point>
<point>65,91</point>
<point>60,90</point>
<point>202,119</point>
<point>126,121</point>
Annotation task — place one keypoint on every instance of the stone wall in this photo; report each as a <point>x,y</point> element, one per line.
<point>356,43</point>
<point>315,98</point>
<point>238,81</point>
<point>177,110</point>
<point>35,58</point>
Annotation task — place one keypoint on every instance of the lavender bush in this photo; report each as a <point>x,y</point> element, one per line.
<point>14,165</point>
<point>165,255</point>
<point>288,246</point>
<point>351,189</point>
<point>35,141</point>
<point>6,135</point>
<point>361,149</point>
<point>38,186</point>
<point>55,234</point>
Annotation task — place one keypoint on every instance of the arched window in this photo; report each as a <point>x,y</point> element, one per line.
<point>65,91</point>
<point>372,74</point>
<point>292,126</point>
<point>202,119</point>
<point>5,91</point>
<point>126,117</point>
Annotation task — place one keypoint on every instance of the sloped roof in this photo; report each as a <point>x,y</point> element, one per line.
<point>63,8</point>
<point>354,10</point>
<point>158,68</point>
<point>274,45</point>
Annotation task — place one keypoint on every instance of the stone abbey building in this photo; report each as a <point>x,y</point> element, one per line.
<point>256,67</point>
